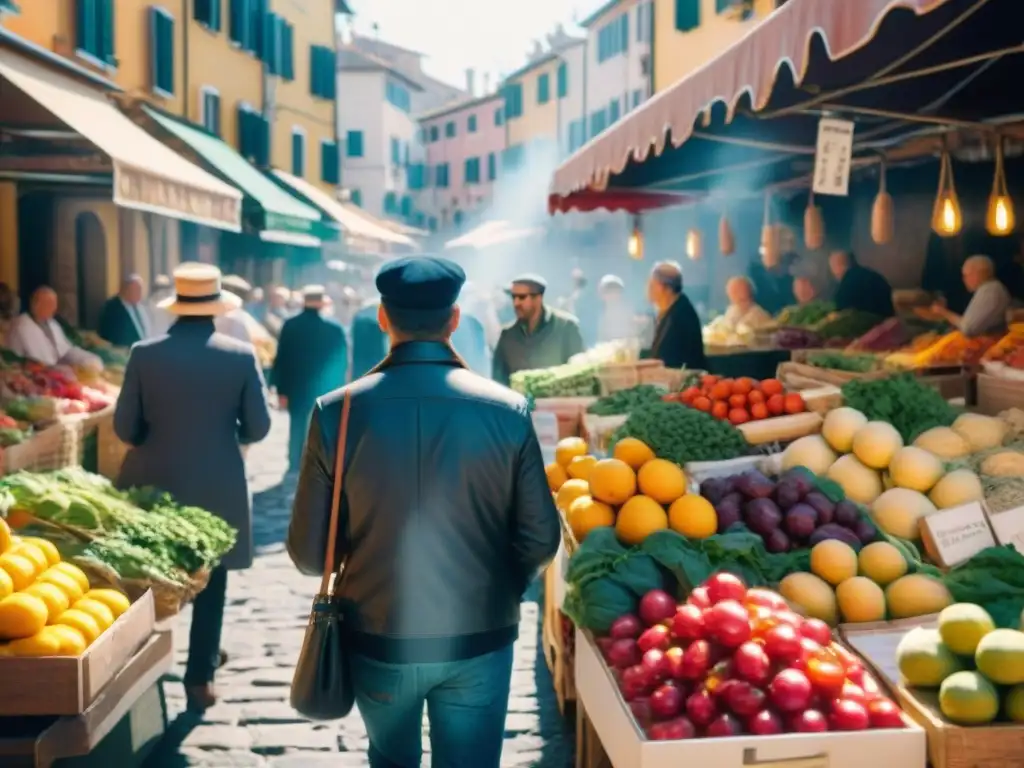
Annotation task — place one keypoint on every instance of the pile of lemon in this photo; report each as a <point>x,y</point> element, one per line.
<point>47,607</point>
<point>632,490</point>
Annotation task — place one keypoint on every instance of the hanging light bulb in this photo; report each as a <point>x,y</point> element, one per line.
<point>947,216</point>
<point>635,245</point>
<point>694,244</point>
<point>1000,219</point>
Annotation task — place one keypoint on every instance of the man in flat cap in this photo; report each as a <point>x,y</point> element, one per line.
<point>678,339</point>
<point>312,358</point>
<point>540,337</point>
<point>445,519</point>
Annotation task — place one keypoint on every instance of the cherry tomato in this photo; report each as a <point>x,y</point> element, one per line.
<point>825,674</point>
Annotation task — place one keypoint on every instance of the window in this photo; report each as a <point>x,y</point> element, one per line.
<point>390,203</point>
<point>441,176</point>
<point>638,96</point>
<point>499,117</point>
<point>406,206</point>
<point>543,88</point>
<point>95,30</point>
<point>613,38</point>
<point>354,143</point>
<point>298,152</point>
<point>161,55</point>
<point>253,136</point>
<point>563,80</point>
<point>397,95</point>
<point>687,15</point>
<point>471,124</point>
<point>258,27</point>
<point>577,134</point>
<point>449,129</point>
<point>432,224</point>
<point>492,167</point>
<point>723,5</point>
<point>355,197</point>
<point>207,13</point>
<point>597,122</point>
<point>416,178</point>
<point>209,109</point>
<point>471,174</point>
<point>396,151</point>
<point>239,28</point>
<point>279,47</point>
<point>433,133</point>
<point>644,21</point>
<point>330,162</point>
<point>321,72</point>
<point>613,111</point>
<point>457,218</point>
<point>513,100</point>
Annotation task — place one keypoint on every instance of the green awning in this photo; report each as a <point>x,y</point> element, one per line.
<point>267,208</point>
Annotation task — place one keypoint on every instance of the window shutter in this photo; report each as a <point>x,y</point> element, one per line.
<point>563,80</point>
<point>240,27</point>
<point>106,31</point>
<point>687,15</point>
<point>85,21</point>
<point>215,15</point>
<point>202,10</point>
<point>329,77</point>
<point>288,52</point>
<point>264,141</point>
<point>257,26</point>
<point>329,161</point>
<point>298,154</point>
<point>624,31</point>
<point>242,120</point>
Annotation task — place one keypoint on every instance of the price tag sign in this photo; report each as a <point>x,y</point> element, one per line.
<point>1009,527</point>
<point>812,761</point>
<point>832,157</point>
<point>952,536</point>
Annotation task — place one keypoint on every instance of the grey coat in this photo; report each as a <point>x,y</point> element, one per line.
<point>190,400</point>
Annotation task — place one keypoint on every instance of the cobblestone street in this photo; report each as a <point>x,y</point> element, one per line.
<point>253,725</point>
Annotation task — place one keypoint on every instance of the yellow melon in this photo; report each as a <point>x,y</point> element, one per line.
<point>99,611</point>
<point>60,579</point>
<point>55,598</point>
<point>48,548</point>
<point>42,643</point>
<point>75,573</point>
<point>5,536</point>
<point>71,641</point>
<point>81,621</point>
<point>21,570</point>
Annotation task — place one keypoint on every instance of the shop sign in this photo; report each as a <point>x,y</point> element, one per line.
<point>135,188</point>
<point>1009,528</point>
<point>952,536</point>
<point>832,157</point>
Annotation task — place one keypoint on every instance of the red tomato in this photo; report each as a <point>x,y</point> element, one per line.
<point>827,675</point>
<point>776,405</point>
<point>738,416</point>
<point>793,403</point>
<point>702,404</point>
<point>720,409</point>
<point>758,410</point>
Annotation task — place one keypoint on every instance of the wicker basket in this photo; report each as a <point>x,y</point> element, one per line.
<point>111,451</point>
<point>54,447</point>
<point>615,377</point>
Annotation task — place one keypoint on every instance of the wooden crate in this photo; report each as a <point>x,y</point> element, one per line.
<point>996,394</point>
<point>557,656</point>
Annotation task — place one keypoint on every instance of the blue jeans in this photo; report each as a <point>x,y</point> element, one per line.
<point>467,702</point>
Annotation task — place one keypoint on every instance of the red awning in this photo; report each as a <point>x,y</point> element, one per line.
<point>747,69</point>
<point>628,200</point>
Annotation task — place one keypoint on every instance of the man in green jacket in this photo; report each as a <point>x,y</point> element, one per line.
<point>540,337</point>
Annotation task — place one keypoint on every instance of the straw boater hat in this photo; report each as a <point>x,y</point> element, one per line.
<point>197,292</point>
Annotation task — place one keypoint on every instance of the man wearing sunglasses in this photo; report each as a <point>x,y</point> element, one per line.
<point>540,337</point>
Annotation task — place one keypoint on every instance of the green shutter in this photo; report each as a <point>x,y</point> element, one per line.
<point>241,29</point>
<point>85,21</point>
<point>216,22</point>
<point>257,26</point>
<point>315,85</point>
<point>244,132</point>
<point>288,52</point>
<point>298,154</point>
<point>687,15</point>
<point>563,80</point>
<point>106,24</point>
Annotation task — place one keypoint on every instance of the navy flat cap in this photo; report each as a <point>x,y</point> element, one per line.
<point>536,282</point>
<point>420,283</point>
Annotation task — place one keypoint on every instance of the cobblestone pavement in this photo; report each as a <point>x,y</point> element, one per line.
<point>253,725</point>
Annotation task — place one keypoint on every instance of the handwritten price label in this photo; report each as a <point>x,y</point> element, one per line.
<point>955,535</point>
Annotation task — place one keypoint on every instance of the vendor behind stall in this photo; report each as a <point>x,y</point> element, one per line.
<point>540,337</point>
<point>678,341</point>
<point>860,288</point>
<point>990,301</point>
<point>743,310</point>
<point>804,291</point>
<point>37,335</point>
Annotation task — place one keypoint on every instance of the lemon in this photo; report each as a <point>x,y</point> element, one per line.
<point>71,641</point>
<point>48,548</point>
<point>34,554</point>
<point>116,601</point>
<point>6,584</point>
<point>21,570</point>
<point>55,598</point>
<point>99,611</point>
<point>42,643</point>
<point>5,536</point>
<point>75,573</point>
<point>81,621</point>
<point>67,584</point>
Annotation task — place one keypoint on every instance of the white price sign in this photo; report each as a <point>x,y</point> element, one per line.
<point>832,157</point>
<point>1009,527</point>
<point>957,534</point>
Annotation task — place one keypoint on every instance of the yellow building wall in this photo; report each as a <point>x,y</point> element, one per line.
<point>213,61</point>
<point>678,54</point>
<point>294,105</point>
<point>133,47</point>
<point>538,121</point>
<point>47,23</point>
<point>64,260</point>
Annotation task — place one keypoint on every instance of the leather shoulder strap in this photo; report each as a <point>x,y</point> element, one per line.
<point>339,466</point>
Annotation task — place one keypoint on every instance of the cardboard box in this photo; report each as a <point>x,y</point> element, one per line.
<point>626,746</point>
<point>66,685</point>
<point>997,394</point>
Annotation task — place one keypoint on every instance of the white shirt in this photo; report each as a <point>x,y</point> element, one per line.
<point>753,317</point>
<point>137,314</point>
<point>233,324</point>
<point>28,338</point>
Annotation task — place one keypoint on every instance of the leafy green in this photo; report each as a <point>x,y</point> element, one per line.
<point>993,579</point>
<point>840,361</point>
<point>625,400</point>
<point>903,401</point>
<point>681,434</point>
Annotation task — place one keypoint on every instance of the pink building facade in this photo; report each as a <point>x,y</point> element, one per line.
<point>463,143</point>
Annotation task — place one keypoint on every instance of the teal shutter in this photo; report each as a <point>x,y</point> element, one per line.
<point>239,27</point>
<point>216,22</point>
<point>264,141</point>
<point>161,32</point>
<point>356,197</point>
<point>257,26</point>
<point>105,9</point>
<point>492,167</point>
<point>687,15</point>
<point>243,132</point>
<point>543,88</point>
<point>288,52</point>
<point>298,154</point>
<point>624,32</point>
<point>563,80</point>
<point>329,162</point>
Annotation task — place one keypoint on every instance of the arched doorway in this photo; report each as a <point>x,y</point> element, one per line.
<point>91,268</point>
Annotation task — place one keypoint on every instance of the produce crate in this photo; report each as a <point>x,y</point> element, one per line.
<point>53,447</point>
<point>611,736</point>
<point>614,377</point>
<point>996,394</point>
<point>953,383</point>
<point>68,685</point>
<point>811,376</point>
<point>111,451</point>
<point>557,634</point>
<point>568,410</point>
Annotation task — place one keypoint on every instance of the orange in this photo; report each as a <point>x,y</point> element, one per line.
<point>580,467</point>
<point>662,480</point>
<point>612,481</point>
<point>556,475</point>
<point>5,536</point>
<point>693,516</point>
<point>569,492</point>
<point>639,518</point>
<point>21,570</point>
<point>569,448</point>
<point>585,514</point>
<point>632,451</point>
<point>56,600</point>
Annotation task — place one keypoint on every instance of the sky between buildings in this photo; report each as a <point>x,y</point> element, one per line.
<point>490,35</point>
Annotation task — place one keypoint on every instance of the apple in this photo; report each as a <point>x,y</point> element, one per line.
<point>604,644</point>
<point>750,662</point>
<point>656,664</point>
<point>635,682</point>
<point>657,636</point>
<point>782,644</point>
<point>852,692</point>
<point>641,709</point>
<point>688,623</point>
<point>724,725</point>
<point>699,597</point>
<point>728,623</point>
<point>765,598</point>
<point>623,653</point>
<point>666,701</point>
<point>672,730</point>
<point>674,661</point>
<point>627,626</point>
<point>847,715</point>
<point>765,723</point>
<point>656,606</point>
<point>696,660</point>
<point>808,721</point>
<point>816,630</point>
<point>725,586</point>
<point>743,699</point>
<point>790,691</point>
<point>883,713</point>
<point>701,707</point>
<point>795,620</point>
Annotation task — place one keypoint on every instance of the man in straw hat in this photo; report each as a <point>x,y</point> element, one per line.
<point>190,400</point>
<point>312,358</point>
<point>447,518</point>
